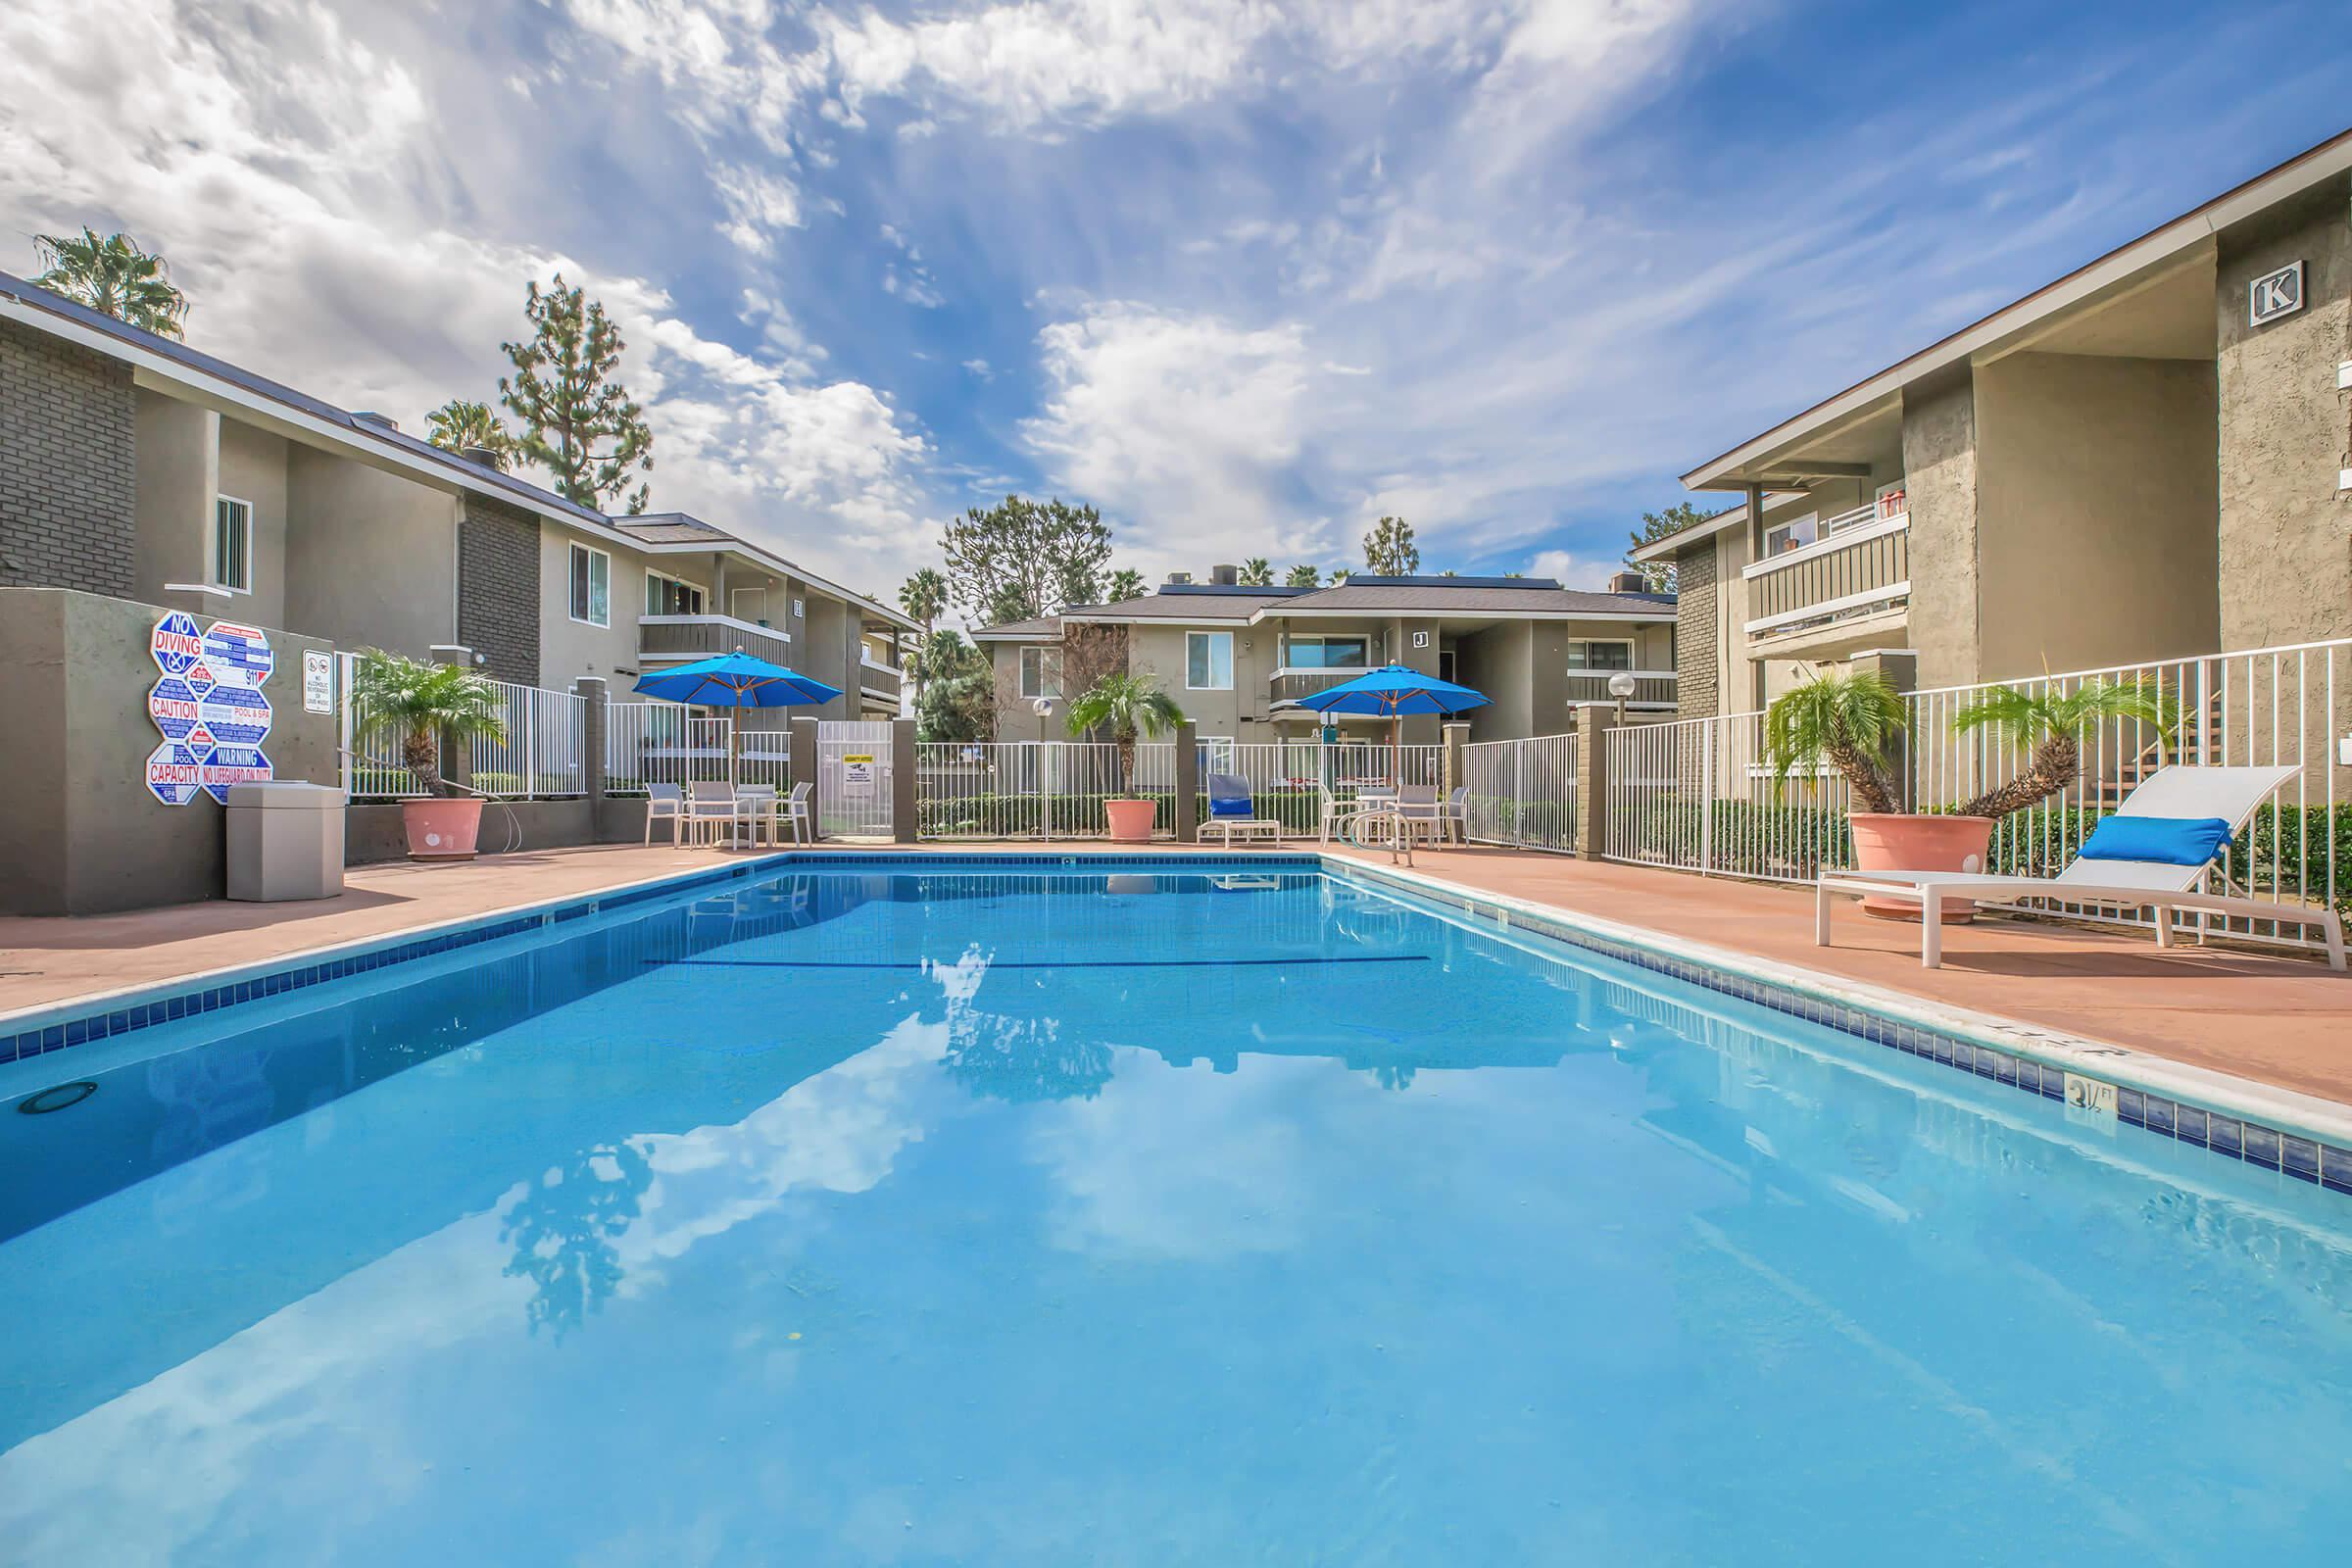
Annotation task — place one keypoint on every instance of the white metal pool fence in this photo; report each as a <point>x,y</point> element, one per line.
<point>1521,793</point>
<point>1698,795</point>
<point>543,753</point>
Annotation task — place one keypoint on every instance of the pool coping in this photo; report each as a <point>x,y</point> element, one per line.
<point>2307,1136</point>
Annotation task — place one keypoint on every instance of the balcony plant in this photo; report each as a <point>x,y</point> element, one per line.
<point>417,705</point>
<point>1132,708</point>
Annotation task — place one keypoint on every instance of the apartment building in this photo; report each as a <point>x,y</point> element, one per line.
<point>2149,458</point>
<point>136,467</point>
<point>1237,659</point>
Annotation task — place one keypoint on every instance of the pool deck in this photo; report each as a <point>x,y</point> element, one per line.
<point>2281,1020</point>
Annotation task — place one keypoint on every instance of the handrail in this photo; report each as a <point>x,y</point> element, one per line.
<point>1836,534</point>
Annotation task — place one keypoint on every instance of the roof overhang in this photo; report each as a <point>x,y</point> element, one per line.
<point>2175,241</point>
<point>1660,612</point>
<point>732,546</point>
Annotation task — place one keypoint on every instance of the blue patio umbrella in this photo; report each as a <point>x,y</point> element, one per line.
<point>1391,691</point>
<point>736,680</point>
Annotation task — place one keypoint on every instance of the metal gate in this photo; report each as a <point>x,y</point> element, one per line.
<point>852,778</point>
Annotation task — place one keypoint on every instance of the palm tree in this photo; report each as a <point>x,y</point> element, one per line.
<point>1125,583</point>
<point>1132,708</point>
<point>2050,726</point>
<point>458,425</point>
<point>114,276</point>
<point>1340,574</point>
<point>420,703</point>
<point>1846,717</point>
<point>924,598</point>
<point>1258,572</point>
<point>1302,575</point>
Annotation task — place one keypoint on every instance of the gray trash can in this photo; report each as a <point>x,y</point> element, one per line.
<point>285,841</point>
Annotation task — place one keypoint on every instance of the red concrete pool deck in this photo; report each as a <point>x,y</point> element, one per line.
<point>2281,1020</point>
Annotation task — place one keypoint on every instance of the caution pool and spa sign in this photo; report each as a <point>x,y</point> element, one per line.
<point>209,707</point>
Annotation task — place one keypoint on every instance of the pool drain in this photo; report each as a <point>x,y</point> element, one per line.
<point>57,1096</point>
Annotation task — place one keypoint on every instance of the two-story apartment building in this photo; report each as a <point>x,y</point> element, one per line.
<point>1237,659</point>
<point>135,466</point>
<point>2150,458</point>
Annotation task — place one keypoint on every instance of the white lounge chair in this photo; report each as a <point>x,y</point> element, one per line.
<point>1230,812</point>
<point>2231,794</point>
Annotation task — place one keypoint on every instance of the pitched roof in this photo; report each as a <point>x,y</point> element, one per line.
<point>1226,604</point>
<point>1530,596</point>
<point>673,528</point>
<point>682,529</point>
<point>1044,629</point>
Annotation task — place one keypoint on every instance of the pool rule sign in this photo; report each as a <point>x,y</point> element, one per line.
<point>209,706</point>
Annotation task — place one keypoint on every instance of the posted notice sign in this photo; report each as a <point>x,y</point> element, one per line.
<point>209,707</point>
<point>857,773</point>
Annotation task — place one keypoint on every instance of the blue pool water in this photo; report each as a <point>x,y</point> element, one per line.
<point>1028,1219</point>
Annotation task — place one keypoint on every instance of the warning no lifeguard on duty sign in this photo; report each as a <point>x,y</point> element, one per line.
<point>209,706</point>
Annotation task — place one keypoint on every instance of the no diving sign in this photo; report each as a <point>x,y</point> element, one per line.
<point>209,707</point>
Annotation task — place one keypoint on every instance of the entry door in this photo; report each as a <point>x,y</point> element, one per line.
<point>853,779</point>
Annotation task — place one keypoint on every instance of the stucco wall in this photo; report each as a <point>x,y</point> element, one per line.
<point>2095,512</point>
<point>371,557</point>
<point>2285,531</point>
<point>253,468</point>
<point>178,475</point>
<point>1235,714</point>
<point>82,835</point>
<point>1940,462</point>
<point>569,649</point>
<point>1500,662</point>
<point>1014,720</point>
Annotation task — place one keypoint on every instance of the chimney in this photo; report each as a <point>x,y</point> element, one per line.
<point>1178,580</point>
<point>1224,576</point>
<point>482,456</point>
<point>371,417</point>
<point>1629,582</point>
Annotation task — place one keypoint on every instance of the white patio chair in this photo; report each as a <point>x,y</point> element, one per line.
<point>665,802</point>
<point>1231,811</point>
<point>756,813</point>
<point>710,807</point>
<point>797,818</point>
<point>1335,810</point>
<point>1423,813</point>
<point>2231,794</point>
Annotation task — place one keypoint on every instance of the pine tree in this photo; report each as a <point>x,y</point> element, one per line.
<point>578,422</point>
<point>460,424</point>
<point>1390,551</point>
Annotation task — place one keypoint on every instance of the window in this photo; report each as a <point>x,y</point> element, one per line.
<point>1794,534</point>
<point>1041,672</point>
<point>1597,654</point>
<point>1208,661</point>
<point>232,543</point>
<point>1329,653</point>
<point>668,595</point>
<point>591,586</point>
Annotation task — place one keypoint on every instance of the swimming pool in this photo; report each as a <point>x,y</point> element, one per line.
<point>1067,1216</point>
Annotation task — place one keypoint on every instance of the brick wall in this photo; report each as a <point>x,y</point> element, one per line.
<point>69,482</point>
<point>1696,693</point>
<point>498,588</point>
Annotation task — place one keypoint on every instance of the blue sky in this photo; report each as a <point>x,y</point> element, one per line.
<point>1245,276</point>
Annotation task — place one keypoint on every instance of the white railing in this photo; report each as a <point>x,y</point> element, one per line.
<point>1022,790</point>
<point>1698,796</point>
<point>1521,793</point>
<point>543,753</point>
<point>764,757</point>
<point>663,742</point>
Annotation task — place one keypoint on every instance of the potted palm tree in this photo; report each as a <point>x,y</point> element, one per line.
<point>417,704</point>
<point>1132,708</point>
<point>1847,720</point>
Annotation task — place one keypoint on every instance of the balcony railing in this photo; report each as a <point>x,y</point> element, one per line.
<point>878,678</point>
<point>1859,563</point>
<point>1292,682</point>
<point>1652,688</point>
<point>676,638</point>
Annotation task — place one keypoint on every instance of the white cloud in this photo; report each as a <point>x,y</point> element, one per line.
<point>1572,570</point>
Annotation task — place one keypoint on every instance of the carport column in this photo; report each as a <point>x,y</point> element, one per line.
<point>457,756</point>
<point>1456,734</point>
<point>1899,669</point>
<point>902,820</point>
<point>1593,721</point>
<point>591,689</point>
<point>804,764</point>
<point>1188,783</point>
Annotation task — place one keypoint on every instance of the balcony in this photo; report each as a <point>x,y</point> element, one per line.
<point>1654,689</point>
<point>878,680</point>
<point>1292,682</point>
<point>1857,564</point>
<point>682,639</point>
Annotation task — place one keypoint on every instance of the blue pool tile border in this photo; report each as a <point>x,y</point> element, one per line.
<point>53,1034</point>
<point>2221,1132</point>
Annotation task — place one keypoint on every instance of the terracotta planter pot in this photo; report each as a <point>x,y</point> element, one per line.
<point>1885,843</point>
<point>1131,820</point>
<point>442,829</point>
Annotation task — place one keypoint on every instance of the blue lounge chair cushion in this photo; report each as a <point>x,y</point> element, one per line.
<point>1229,806</point>
<point>2163,840</point>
